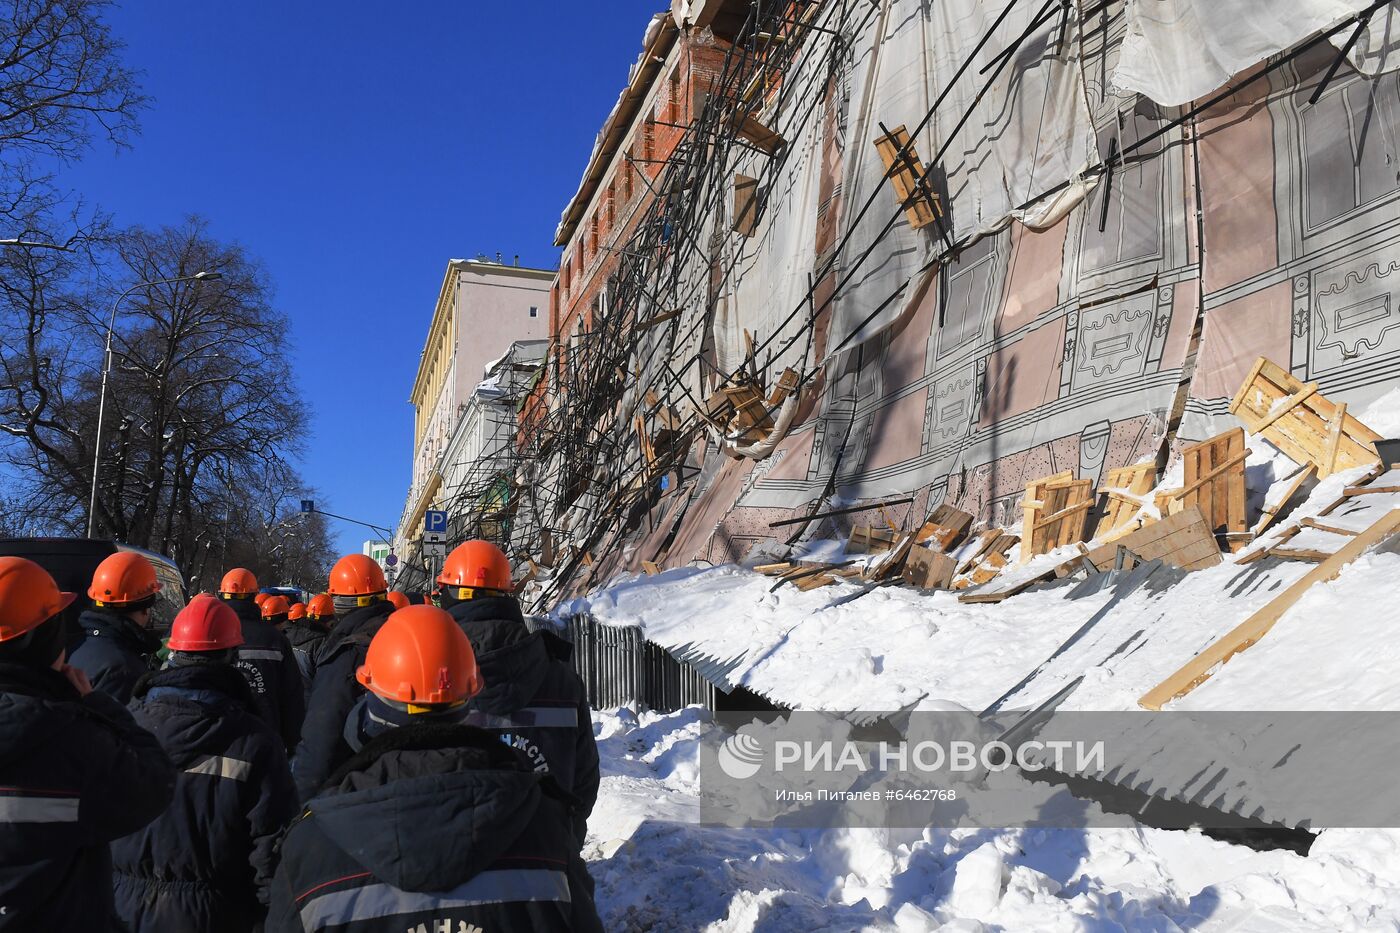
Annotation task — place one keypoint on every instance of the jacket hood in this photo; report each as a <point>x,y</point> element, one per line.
<point>25,692</point>
<point>426,807</point>
<point>299,633</point>
<point>245,609</point>
<point>512,660</point>
<point>364,620</point>
<point>194,710</point>
<point>120,628</point>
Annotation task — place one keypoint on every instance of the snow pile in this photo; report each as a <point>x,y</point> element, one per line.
<point>657,869</point>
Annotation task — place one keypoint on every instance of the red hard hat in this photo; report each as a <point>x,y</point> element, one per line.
<point>205,625</point>
<point>421,656</point>
<point>123,577</point>
<point>477,564</point>
<point>321,607</point>
<point>274,606</point>
<point>398,599</point>
<point>296,611</point>
<point>28,597</point>
<point>239,582</point>
<point>356,575</point>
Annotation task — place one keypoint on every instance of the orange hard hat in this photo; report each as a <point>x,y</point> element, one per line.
<point>274,606</point>
<point>477,564</point>
<point>320,607</point>
<point>205,625</point>
<point>28,597</point>
<point>239,582</point>
<point>296,611</point>
<point>123,577</point>
<point>398,599</point>
<point>260,598</point>
<point>421,656</point>
<point>357,575</point>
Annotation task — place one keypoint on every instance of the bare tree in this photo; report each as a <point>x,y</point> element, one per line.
<point>201,416</point>
<point>61,79</point>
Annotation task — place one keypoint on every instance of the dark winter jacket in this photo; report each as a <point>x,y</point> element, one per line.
<point>532,698</point>
<point>206,863</point>
<point>75,773</point>
<point>267,660</point>
<point>334,691</point>
<point>306,640</point>
<point>113,651</point>
<point>433,826</point>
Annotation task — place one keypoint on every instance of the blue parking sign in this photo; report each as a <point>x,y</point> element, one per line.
<point>435,521</point>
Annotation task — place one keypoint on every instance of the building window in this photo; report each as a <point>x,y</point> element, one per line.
<point>534,312</point>
<point>648,142</point>
<point>674,111</point>
<point>593,235</point>
<point>626,181</point>
<point>612,206</point>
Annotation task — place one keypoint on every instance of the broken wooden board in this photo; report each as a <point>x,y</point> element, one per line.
<point>890,564</point>
<point>906,173</point>
<point>973,550</point>
<point>1007,584</point>
<point>1317,537</point>
<point>651,568</point>
<point>1182,540</point>
<point>1302,422</point>
<point>945,527</point>
<point>1126,489</point>
<point>928,569</point>
<point>1214,483</point>
<point>1272,508</point>
<point>1056,509</point>
<point>1200,668</point>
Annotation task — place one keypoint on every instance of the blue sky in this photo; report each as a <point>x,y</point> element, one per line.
<point>355,148</point>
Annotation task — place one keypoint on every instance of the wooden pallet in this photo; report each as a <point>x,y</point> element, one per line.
<point>1126,489</point>
<point>1196,671</point>
<point>1302,422</point>
<point>928,569</point>
<point>944,528</point>
<point>906,174</point>
<point>1272,509</point>
<point>1183,540</point>
<point>1055,510</point>
<point>1215,485</point>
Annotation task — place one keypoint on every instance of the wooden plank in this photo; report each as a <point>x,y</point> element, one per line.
<point>1043,495</point>
<point>761,137</point>
<point>906,175</point>
<point>1334,437</point>
<point>1271,512</point>
<point>1279,409</point>
<point>651,567</point>
<point>770,569</point>
<point>745,205</point>
<point>1200,668</point>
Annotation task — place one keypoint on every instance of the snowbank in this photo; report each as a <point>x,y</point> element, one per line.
<point>656,869</point>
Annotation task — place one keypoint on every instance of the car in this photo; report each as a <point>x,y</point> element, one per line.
<point>71,562</point>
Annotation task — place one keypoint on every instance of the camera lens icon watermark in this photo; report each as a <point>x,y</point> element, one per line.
<point>741,756</point>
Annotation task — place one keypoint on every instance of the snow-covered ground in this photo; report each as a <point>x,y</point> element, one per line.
<point>657,869</point>
<point>836,648</point>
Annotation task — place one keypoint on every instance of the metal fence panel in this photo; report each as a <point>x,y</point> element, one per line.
<point>619,667</point>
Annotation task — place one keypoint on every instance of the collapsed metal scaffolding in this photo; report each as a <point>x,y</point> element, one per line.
<point>628,405</point>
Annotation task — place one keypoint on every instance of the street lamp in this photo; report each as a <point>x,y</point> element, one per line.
<point>107,366</point>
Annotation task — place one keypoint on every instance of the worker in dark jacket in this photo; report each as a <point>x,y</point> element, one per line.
<point>266,659</point>
<point>358,593</point>
<point>275,610</point>
<point>76,771</point>
<point>432,824</point>
<point>206,863</point>
<point>115,644</point>
<point>306,632</point>
<point>533,698</point>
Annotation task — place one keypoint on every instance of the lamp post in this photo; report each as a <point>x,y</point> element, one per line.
<point>106,368</point>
